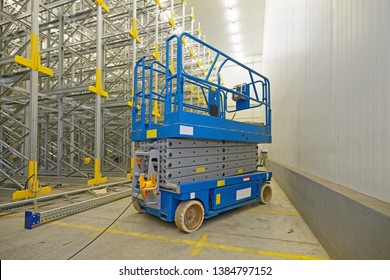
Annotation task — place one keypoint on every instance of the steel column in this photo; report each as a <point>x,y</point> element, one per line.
<point>132,149</point>
<point>32,170</point>
<point>46,144</point>
<point>98,110</point>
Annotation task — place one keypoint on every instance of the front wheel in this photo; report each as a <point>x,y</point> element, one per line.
<point>189,215</point>
<point>265,194</point>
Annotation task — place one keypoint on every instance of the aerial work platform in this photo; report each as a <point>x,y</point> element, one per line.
<point>193,162</point>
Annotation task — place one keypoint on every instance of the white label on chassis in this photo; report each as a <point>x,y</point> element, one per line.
<point>192,195</point>
<point>244,193</point>
<point>186,130</point>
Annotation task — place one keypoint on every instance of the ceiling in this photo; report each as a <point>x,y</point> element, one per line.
<point>215,24</point>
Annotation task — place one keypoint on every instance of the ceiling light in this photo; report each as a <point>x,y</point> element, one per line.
<point>232,15</point>
<point>234,28</point>
<point>235,39</point>
<point>230,4</point>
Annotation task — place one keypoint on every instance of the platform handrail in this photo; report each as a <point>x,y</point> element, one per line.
<point>255,94</point>
<point>181,75</point>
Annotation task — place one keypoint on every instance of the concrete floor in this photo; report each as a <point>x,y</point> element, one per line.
<point>274,231</point>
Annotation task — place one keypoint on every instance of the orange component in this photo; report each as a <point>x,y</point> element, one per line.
<point>148,185</point>
<point>138,159</point>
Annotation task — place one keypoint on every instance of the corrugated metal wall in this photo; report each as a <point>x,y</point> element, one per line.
<point>329,67</point>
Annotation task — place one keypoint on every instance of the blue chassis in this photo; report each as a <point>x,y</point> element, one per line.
<point>207,191</point>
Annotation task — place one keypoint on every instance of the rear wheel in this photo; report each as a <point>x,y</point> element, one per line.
<point>265,194</point>
<point>189,215</point>
<point>137,206</point>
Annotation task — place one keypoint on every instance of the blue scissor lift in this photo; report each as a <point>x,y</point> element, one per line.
<point>193,163</point>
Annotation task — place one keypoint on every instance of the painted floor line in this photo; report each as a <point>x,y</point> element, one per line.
<point>198,244</point>
<point>276,212</point>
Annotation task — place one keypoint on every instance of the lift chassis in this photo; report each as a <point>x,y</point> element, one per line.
<point>192,162</point>
<point>203,185</point>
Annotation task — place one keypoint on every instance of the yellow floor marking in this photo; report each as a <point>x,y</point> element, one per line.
<point>262,252</point>
<point>279,194</point>
<point>199,245</point>
<point>130,233</point>
<point>276,212</point>
<point>93,235</point>
<point>217,246</point>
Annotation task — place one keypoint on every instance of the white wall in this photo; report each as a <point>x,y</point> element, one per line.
<point>329,67</point>
<point>233,75</point>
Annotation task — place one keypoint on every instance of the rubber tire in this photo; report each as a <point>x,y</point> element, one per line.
<point>265,194</point>
<point>181,211</point>
<point>137,206</point>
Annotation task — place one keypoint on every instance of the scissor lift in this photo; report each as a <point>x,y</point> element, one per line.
<point>192,162</point>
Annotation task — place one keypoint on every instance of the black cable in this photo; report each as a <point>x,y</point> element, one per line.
<point>100,234</point>
<point>25,184</point>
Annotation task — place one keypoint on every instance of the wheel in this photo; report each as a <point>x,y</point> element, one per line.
<point>137,206</point>
<point>265,194</point>
<point>189,215</point>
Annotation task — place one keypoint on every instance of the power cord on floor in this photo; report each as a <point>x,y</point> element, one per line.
<point>25,184</point>
<point>100,234</point>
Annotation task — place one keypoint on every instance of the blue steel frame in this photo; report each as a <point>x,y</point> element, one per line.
<point>207,191</point>
<point>179,123</point>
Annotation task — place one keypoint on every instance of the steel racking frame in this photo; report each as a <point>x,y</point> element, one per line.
<point>66,84</point>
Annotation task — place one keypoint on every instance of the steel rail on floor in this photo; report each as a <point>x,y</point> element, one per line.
<point>32,219</point>
<point>33,201</point>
